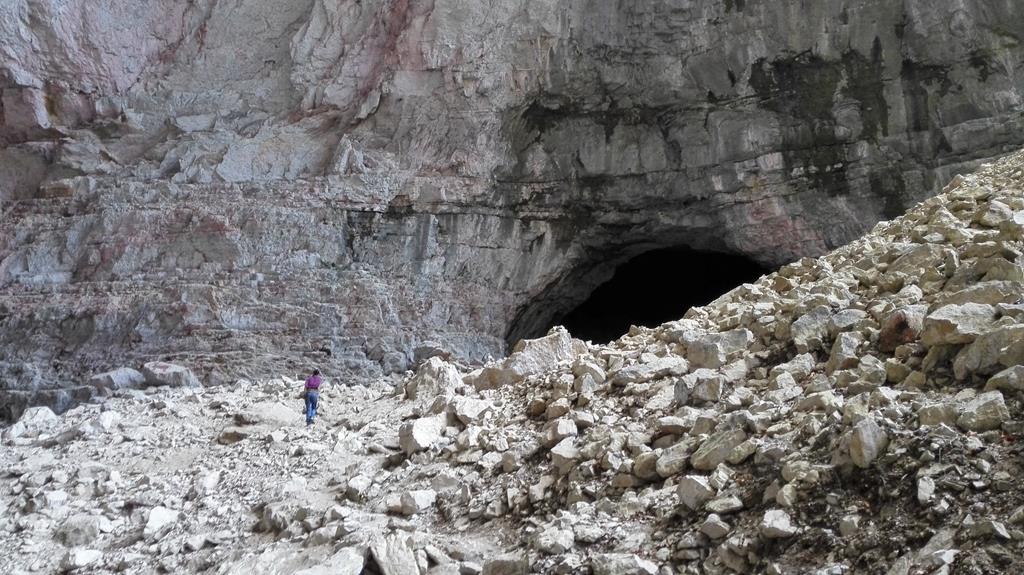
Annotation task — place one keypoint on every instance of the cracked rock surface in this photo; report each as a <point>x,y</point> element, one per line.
<point>597,458</point>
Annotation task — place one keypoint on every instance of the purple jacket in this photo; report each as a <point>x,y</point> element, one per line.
<point>313,383</point>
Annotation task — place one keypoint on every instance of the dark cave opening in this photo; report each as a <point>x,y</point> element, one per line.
<point>656,287</point>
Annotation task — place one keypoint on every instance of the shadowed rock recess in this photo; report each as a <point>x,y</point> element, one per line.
<point>856,413</point>
<point>250,186</point>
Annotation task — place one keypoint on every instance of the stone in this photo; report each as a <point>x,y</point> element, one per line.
<point>674,459</point>
<point>988,528</point>
<point>714,527</point>
<point>557,430</point>
<point>79,530</point>
<point>621,564</point>
<point>987,353</point>
<point>554,541</point>
<point>1010,379</point>
<point>723,505</point>
<point>657,369</point>
<point>867,442</point>
<point>954,324</point>
<point>925,490</point>
<point>671,425</point>
<point>159,373</point>
<point>716,349</point>
<point>694,491</point>
<point>106,421</point>
<point>435,377</point>
<point>421,434</point>
<point>985,412</point>
<point>716,449</point>
<point>37,420</point>
<point>844,352</point>
<point>937,414</point>
<point>196,542</point>
<point>530,357</point>
<point>417,501</point>
<point>564,455</point>
<point>557,408</point>
<point>901,327</point>
<point>506,564</point>
<point>346,561</point>
<point>708,389</point>
<point>849,525</point>
<point>471,411</point>
<point>80,559</point>
<point>120,378</point>
<point>846,320</point>
<point>206,483</point>
<point>777,524</point>
<point>393,554</point>
<point>810,329</point>
<point>826,401</point>
<point>159,519</point>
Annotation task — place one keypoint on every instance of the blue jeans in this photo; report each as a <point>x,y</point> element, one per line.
<point>312,398</point>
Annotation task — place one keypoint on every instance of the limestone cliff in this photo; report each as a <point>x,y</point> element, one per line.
<point>347,181</point>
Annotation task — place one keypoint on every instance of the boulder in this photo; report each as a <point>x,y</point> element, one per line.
<point>937,414</point>
<point>1010,379</point>
<point>716,449</point>
<point>554,541</point>
<point>649,371</point>
<point>985,355</point>
<point>809,330</point>
<point>867,442</point>
<point>985,412</point>
<point>159,519</point>
<point>78,530</point>
<point>530,357</point>
<point>417,501</point>
<point>777,524</point>
<point>77,559</point>
<point>33,422</point>
<point>565,455</point>
<point>558,429</point>
<point>716,349</point>
<point>694,491</point>
<point>346,561</point>
<point>159,373</point>
<point>621,564</point>
<point>956,324</point>
<point>394,554</point>
<point>507,564</point>
<point>469,410</point>
<point>420,434</point>
<point>120,378</point>
<point>844,352</point>
<point>435,377</point>
<point>901,327</point>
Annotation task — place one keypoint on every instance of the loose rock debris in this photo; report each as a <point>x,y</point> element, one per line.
<point>857,413</point>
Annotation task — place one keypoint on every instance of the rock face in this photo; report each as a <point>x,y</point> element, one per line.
<point>345,182</point>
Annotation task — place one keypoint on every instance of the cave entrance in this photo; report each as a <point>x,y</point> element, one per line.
<point>655,287</point>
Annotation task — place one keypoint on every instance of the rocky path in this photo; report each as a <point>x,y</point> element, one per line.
<point>858,413</point>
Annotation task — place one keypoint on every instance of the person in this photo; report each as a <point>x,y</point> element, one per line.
<point>313,383</point>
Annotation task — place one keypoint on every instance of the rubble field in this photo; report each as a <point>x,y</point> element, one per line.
<point>856,413</point>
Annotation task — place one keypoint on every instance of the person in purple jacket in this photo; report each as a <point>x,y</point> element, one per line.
<point>312,395</point>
